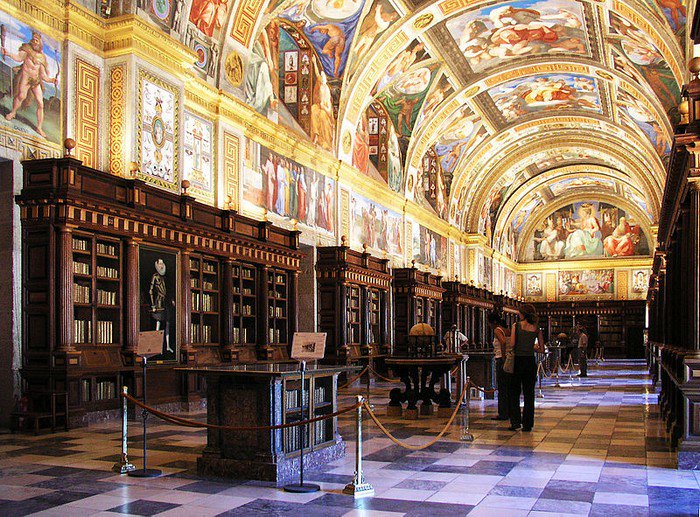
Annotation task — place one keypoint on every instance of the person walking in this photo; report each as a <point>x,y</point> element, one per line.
<point>523,337</point>
<point>500,343</point>
<point>454,340</point>
<point>583,353</point>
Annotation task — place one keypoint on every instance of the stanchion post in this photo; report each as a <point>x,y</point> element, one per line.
<point>369,378</point>
<point>145,472</point>
<point>359,486</point>
<point>465,434</point>
<point>558,367</point>
<point>123,466</point>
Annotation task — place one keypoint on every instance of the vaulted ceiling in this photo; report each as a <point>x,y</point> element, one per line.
<point>490,114</point>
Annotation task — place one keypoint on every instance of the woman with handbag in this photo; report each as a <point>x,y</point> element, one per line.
<point>522,348</point>
<point>500,345</point>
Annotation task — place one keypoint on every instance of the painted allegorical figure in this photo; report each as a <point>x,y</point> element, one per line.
<point>30,78</point>
<point>208,15</point>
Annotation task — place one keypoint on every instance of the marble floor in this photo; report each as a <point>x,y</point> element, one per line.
<point>597,449</point>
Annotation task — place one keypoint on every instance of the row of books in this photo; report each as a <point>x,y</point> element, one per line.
<point>105,390</point>
<point>81,245</point>
<point>209,267</point>
<point>247,309</point>
<point>106,297</point>
<point>273,294</point>
<point>81,293</point>
<point>277,312</point>
<point>245,290</point>
<point>292,437</point>
<point>293,399</point>
<point>280,279</point>
<point>106,249</point>
<point>104,332</point>
<point>238,333</point>
<point>243,272</point>
<point>208,285</point>
<point>81,268</point>
<point>207,302</point>
<point>107,272</point>
<point>201,333</point>
<point>274,335</point>
<point>82,330</point>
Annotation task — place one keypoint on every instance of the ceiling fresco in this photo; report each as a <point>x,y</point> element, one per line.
<point>461,104</point>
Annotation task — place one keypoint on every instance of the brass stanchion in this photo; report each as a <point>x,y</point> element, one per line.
<point>123,466</point>
<point>359,487</point>
<point>465,434</point>
<point>558,366</point>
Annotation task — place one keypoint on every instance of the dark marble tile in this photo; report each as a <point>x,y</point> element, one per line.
<point>622,484</point>
<point>561,494</point>
<point>447,469</point>
<point>143,507</point>
<point>311,509</point>
<point>617,510</point>
<point>389,454</point>
<point>409,463</point>
<point>334,499</point>
<point>420,484</point>
<point>428,509</point>
<point>673,501</point>
<point>516,491</point>
<point>269,507</point>
<point>208,487</point>
<point>321,477</point>
<point>578,486</point>
<point>491,468</point>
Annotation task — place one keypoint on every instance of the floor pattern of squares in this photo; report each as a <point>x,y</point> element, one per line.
<point>597,449</point>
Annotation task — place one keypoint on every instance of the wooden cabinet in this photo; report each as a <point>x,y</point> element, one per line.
<point>417,299</point>
<point>223,287</point>
<point>353,290</point>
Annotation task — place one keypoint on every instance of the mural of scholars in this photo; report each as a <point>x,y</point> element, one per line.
<point>585,236</point>
<point>322,123</point>
<point>30,78</point>
<point>621,243</point>
<point>550,247</point>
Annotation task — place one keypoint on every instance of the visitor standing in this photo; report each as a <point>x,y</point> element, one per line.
<point>583,353</point>
<point>500,344</point>
<point>454,340</point>
<point>523,336</point>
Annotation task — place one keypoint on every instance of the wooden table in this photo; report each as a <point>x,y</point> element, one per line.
<point>265,395</point>
<point>420,375</point>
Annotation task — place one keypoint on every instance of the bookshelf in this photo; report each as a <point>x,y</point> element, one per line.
<point>205,300</point>
<point>417,299</point>
<point>86,289</point>
<point>97,288</point>
<point>353,291</point>
<point>277,300</point>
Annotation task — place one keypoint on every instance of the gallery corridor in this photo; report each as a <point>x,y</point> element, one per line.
<point>597,448</point>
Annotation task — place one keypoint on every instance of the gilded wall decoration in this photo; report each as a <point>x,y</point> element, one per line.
<point>198,155</point>
<point>533,285</point>
<point>87,99</point>
<point>621,285</point>
<point>30,77</point>
<point>117,101</point>
<point>244,20</point>
<point>551,287</point>
<point>157,130</point>
<point>640,280</point>
<point>232,152</point>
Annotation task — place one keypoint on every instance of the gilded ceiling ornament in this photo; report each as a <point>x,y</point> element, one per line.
<point>604,75</point>
<point>347,142</point>
<point>472,91</point>
<point>233,68</point>
<point>423,21</point>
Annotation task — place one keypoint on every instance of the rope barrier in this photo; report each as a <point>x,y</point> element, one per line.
<point>417,447</point>
<point>387,379</point>
<point>482,390</point>
<point>544,372</point>
<point>569,364</point>
<point>366,368</point>
<point>193,423</point>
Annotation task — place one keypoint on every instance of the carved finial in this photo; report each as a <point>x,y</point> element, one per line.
<point>364,247</point>
<point>294,223</point>
<point>69,145</point>
<point>694,67</point>
<point>185,184</point>
<point>344,240</point>
<point>471,282</point>
<point>684,109</point>
<point>413,264</point>
<point>229,202</point>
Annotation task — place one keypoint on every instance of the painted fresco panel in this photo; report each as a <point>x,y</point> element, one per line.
<point>544,93</point>
<point>377,227</point>
<point>429,247</point>
<point>198,154</point>
<point>587,282</point>
<point>500,33</point>
<point>158,131</point>
<point>533,284</point>
<point>640,281</point>
<point>30,73</point>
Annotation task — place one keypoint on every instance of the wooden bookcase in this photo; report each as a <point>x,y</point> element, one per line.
<point>318,395</point>
<point>417,299</point>
<point>353,290</point>
<point>87,292</point>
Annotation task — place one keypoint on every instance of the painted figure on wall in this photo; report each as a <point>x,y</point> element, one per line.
<point>534,285</point>
<point>640,281</point>
<point>584,234</point>
<point>29,79</point>
<point>412,54</point>
<point>209,15</point>
<point>258,88</point>
<point>589,282</point>
<point>360,151</point>
<point>376,22</point>
<point>161,303</point>
<point>375,226</point>
<point>322,120</point>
